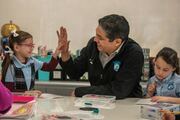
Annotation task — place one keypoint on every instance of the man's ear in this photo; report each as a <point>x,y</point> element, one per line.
<point>118,41</point>
<point>174,69</point>
<point>153,61</point>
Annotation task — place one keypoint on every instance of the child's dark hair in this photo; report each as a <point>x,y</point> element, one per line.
<point>170,57</point>
<point>15,38</point>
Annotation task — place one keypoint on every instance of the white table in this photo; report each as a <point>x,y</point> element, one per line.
<point>125,109</point>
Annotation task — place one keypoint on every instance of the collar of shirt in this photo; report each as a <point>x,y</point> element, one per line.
<point>167,79</point>
<point>104,58</point>
<point>19,64</point>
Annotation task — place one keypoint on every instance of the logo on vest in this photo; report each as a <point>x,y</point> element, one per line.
<point>170,86</point>
<point>116,65</point>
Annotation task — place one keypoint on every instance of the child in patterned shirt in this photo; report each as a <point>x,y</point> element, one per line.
<point>164,86</point>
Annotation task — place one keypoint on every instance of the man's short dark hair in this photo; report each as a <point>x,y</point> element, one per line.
<point>115,26</point>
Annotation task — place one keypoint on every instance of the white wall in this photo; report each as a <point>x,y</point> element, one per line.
<point>154,23</point>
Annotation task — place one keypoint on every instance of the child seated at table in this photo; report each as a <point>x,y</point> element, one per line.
<point>5,94</point>
<point>164,86</point>
<point>19,67</point>
<point>5,99</point>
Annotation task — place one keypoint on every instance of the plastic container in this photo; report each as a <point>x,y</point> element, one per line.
<point>97,101</point>
<point>100,98</point>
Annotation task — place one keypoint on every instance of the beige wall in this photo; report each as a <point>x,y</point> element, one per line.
<point>154,23</point>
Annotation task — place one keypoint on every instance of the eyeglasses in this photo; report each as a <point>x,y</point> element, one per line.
<point>28,45</point>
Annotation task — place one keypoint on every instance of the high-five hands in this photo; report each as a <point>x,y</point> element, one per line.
<point>63,44</point>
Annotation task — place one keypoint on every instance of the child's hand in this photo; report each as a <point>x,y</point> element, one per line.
<point>159,99</point>
<point>151,89</point>
<point>167,115</point>
<point>73,94</point>
<point>44,51</point>
<point>35,93</point>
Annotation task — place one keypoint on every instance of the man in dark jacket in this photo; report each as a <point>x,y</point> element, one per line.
<point>113,60</point>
